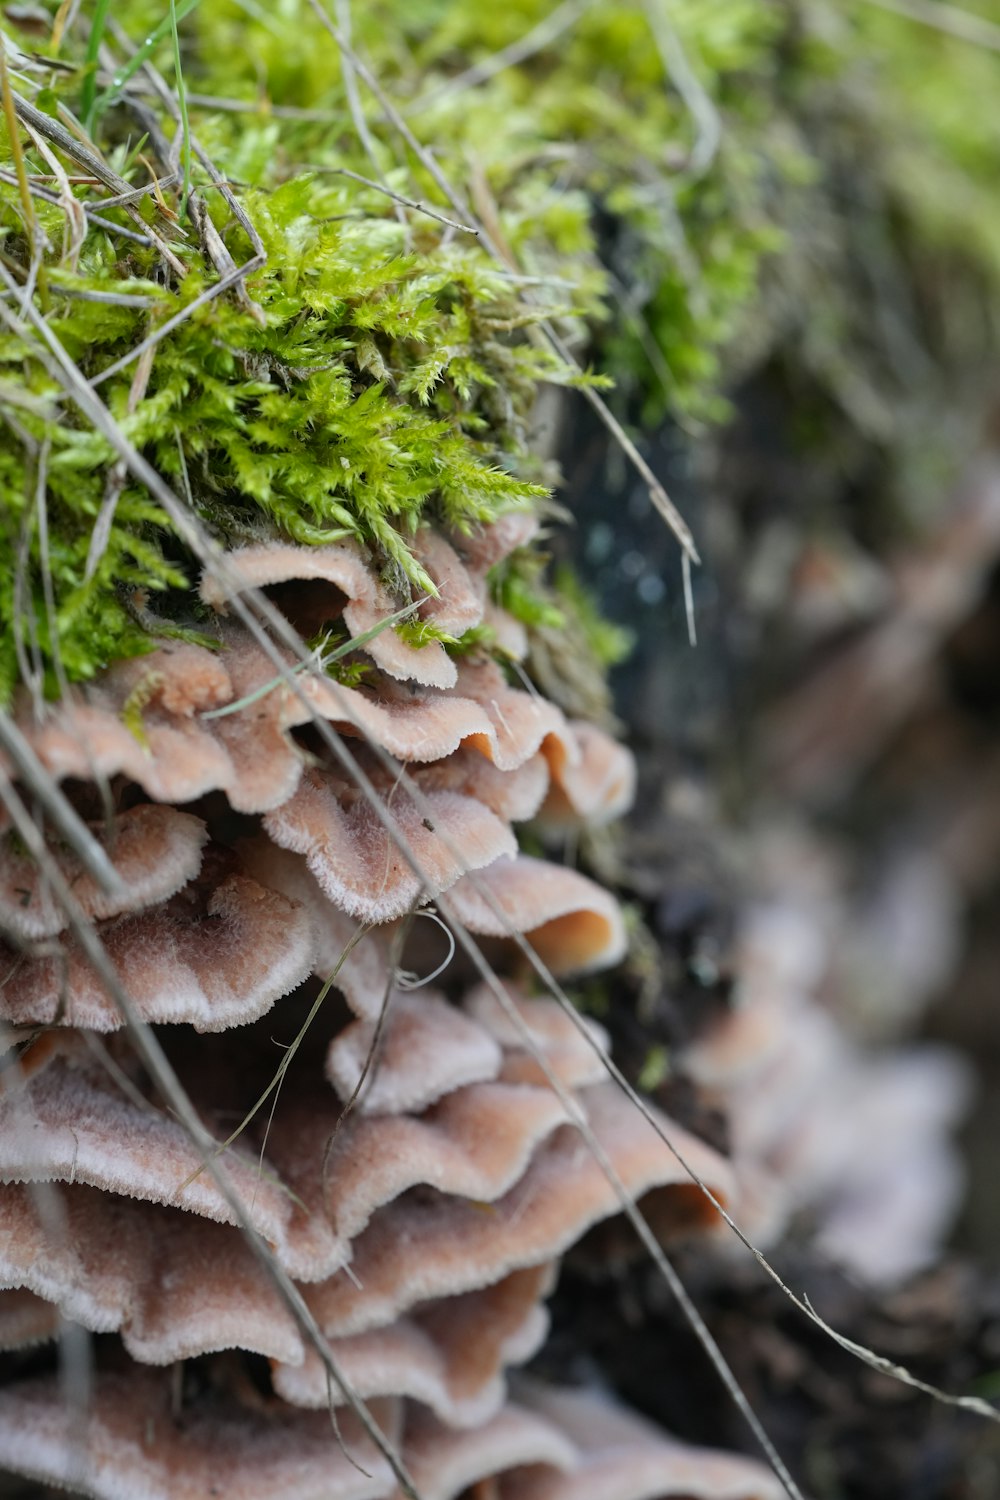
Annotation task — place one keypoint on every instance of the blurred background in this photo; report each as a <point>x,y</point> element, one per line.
<point>814,858</point>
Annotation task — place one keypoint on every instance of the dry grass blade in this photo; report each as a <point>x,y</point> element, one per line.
<point>274,1086</point>
<point>684,78</point>
<point>319,660</point>
<point>101,533</point>
<point>400,198</point>
<point>69,823</point>
<point>148,344</point>
<point>354,98</point>
<point>536,40</point>
<point>952,20</point>
<point>35,231</point>
<point>76,219</point>
<point>211,239</point>
<point>974,1404</point>
<point>374,1051</point>
<point>137,194</point>
<point>92,163</point>
<point>45,562</point>
<point>48,196</point>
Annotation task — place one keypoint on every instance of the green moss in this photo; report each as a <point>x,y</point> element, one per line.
<point>387,369</point>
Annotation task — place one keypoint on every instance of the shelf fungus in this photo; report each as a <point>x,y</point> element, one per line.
<point>397,1146</point>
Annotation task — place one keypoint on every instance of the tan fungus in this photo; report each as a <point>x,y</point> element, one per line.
<point>450,1355</point>
<point>574,925</point>
<point>215,963</point>
<point>26,1319</point>
<point>155,850</point>
<point>71,1123</point>
<point>428,1048</point>
<point>132,1445</point>
<point>341,947</point>
<point>514,795</point>
<point>620,1456</point>
<point>357,863</point>
<point>460,595</point>
<point>573,1059</point>
<point>428,1244</point>
<point>445,1462</point>
<point>173,1285</point>
<point>598,788</point>
<point>355,592</point>
<point>140,719</point>
<point>474,1143</point>
<point>485,546</point>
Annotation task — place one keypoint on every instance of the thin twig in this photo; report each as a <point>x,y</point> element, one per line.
<point>135,195</point>
<point>536,40</point>
<point>354,99</point>
<point>370,1065</point>
<point>65,818</point>
<point>274,1086</point>
<point>401,198</point>
<point>211,240</point>
<point>86,157</point>
<point>36,234</point>
<point>76,219</point>
<point>45,563</point>
<point>47,195</point>
<point>696,99</point>
<point>101,532</point>
<point>260,106</point>
<point>33,671</point>
<point>151,340</point>
<point>952,20</point>
<point>110,299</point>
<point>182,107</point>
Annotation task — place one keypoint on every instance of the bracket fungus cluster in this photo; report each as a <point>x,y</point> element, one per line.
<point>397,1148</point>
<point>855,1140</point>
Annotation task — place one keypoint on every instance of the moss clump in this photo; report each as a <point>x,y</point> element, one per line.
<point>382,367</point>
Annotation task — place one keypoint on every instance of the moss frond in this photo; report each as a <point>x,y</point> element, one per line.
<point>382,368</point>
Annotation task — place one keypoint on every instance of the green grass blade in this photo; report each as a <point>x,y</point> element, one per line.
<point>182,106</point>
<point>144,51</point>
<point>88,93</point>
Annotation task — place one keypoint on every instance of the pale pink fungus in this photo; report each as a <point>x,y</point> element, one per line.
<point>356,862</point>
<point>573,925</point>
<point>450,1355</point>
<point>428,1048</point>
<point>214,961</point>
<point>155,850</point>
<point>134,1445</point>
<point>619,1456</point>
<point>354,591</point>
